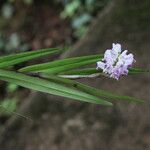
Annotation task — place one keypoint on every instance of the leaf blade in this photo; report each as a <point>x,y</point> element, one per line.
<point>92,90</point>
<point>6,61</point>
<point>44,66</point>
<point>49,87</point>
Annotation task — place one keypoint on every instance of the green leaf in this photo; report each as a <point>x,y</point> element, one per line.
<point>14,59</point>
<point>89,71</point>
<point>84,71</point>
<point>49,87</point>
<point>137,71</point>
<point>92,73</point>
<point>62,65</point>
<point>10,105</point>
<point>6,111</point>
<point>11,87</point>
<point>91,90</point>
<point>70,9</point>
<point>63,68</point>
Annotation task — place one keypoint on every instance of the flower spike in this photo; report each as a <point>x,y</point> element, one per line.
<point>116,62</point>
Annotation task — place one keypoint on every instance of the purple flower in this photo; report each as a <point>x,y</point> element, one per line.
<point>116,62</point>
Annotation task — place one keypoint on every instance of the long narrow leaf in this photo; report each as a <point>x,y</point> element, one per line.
<point>91,90</point>
<point>49,87</point>
<point>59,63</point>
<point>14,59</point>
<point>64,68</point>
<point>137,71</point>
<point>89,71</point>
<point>92,73</point>
<point>84,71</point>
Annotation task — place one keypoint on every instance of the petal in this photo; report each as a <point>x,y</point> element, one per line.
<point>107,54</point>
<point>114,55</point>
<point>116,47</point>
<point>110,56</point>
<point>108,69</point>
<point>124,54</point>
<point>100,65</point>
<point>120,63</point>
<point>129,60</point>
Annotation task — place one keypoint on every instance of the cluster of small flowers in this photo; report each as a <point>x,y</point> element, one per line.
<point>116,62</point>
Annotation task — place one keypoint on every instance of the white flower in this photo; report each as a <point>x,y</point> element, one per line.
<point>115,62</point>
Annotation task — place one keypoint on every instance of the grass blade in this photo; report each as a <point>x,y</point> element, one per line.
<point>59,69</point>
<point>91,90</point>
<point>89,71</point>
<point>59,63</point>
<point>14,59</point>
<point>137,71</point>
<point>84,71</point>
<point>49,87</point>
